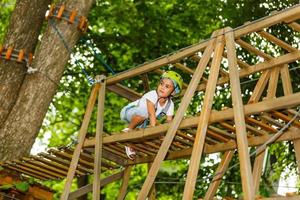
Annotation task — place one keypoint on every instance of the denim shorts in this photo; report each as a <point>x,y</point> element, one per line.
<point>129,111</point>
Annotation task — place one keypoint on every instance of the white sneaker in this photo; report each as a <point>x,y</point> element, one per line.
<point>125,130</point>
<point>130,152</point>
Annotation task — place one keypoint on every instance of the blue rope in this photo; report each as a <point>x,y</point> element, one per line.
<point>99,57</point>
<point>89,78</point>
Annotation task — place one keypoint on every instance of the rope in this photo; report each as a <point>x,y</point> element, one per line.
<point>97,55</point>
<point>89,78</point>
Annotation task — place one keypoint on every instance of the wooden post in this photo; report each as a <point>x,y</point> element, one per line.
<point>239,118</point>
<point>259,159</point>
<point>123,190</point>
<point>288,90</point>
<point>176,121</point>
<point>219,174</point>
<point>152,192</point>
<point>98,144</point>
<point>81,137</point>
<point>203,121</point>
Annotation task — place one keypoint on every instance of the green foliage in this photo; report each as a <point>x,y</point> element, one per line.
<point>5,11</point>
<point>22,186</point>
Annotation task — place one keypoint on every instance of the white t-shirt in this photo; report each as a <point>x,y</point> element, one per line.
<point>153,97</point>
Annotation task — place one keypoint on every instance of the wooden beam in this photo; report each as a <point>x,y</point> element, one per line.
<point>291,134</point>
<point>213,186</point>
<point>295,26</point>
<point>123,91</point>
<point>81,138</point>
<point>99,138</point>
<point>281,60</point>
<point>277,41</point>
<point>239,118</point>
<point>150,66</point>
<point>288,90</point>
<point>89,187</point>
<point>288,14</point>
<point>260,87</point>
<point>286,80</point>
<point>176,121</point>
<point>123,189</point>
<point>252,49</point>
<point>216,116</point>
<point>190,183</point>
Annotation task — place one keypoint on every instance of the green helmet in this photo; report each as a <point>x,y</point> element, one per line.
<point>176,78</point>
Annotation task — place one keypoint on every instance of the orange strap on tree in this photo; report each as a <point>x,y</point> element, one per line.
<point>15,55</point>
<point>61,13</point>
<point>8,53</point>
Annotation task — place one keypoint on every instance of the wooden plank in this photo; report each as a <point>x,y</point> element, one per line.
<point>89,187</point>
<point>88,165</point>
<point>288,14</point>
<point>213,186</point>
<point>45,171</point>
<point>81,137</point>
<point>190,183</point>
<point>252,49</point>
<point>288,90</point>
<point>51,163</point>
<point>296,197</point>
<point>259,159</point>
<point>281,60</point>
<point>80,171</point>
<point>28,173</point>
<point>33,171</point>
<point>273,82</point>
<point>257,170</point>
<point>124,186</point>
<point>239,118</point>
<point>99,138</point>
<point>260,87</point>
<point>216,116</point>
<point>289,135</point>
<point>150,66</point>
<point>295,26</point>
<point>176,121</point>
<point>43,166</point>
<point>145,80</point>
<point>277,41</point>
<point>123,91</point>
<point>286,80</point>
<point>261,124</point>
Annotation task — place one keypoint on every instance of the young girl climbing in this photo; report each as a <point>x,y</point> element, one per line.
<point>152,106</point>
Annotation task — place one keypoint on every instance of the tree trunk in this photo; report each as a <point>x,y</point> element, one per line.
<point>25,25</point>
<point>25,119</point>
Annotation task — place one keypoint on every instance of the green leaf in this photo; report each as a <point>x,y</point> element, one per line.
<point>22,186</point>
<point>6,187</point>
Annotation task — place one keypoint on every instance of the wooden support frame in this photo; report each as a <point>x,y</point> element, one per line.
<point>204,119</point>
<point>124,186</point>
<point>99,138</point>
<point>175,123</point>
<point>239,118</point>
<point>227,157</point>
<point>81,139</point>
<point>216,116</point>
<point>89,187</point>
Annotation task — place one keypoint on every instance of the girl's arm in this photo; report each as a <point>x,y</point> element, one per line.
<point>151,112</point>
<point>169,118</point>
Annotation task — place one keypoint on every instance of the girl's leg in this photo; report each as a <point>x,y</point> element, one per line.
<point>135,121</point>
